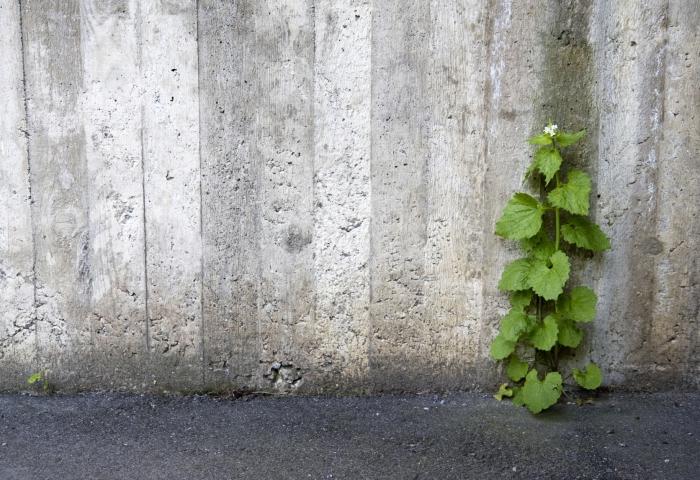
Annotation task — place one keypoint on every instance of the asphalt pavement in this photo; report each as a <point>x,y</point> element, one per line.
<point>456,436</point>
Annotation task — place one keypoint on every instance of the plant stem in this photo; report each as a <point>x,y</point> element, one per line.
<point>556,222</point>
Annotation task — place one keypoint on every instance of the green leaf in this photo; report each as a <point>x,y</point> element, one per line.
<point>518,397</point>
<point>590,378</point>
<point>513,325</point>
<point>521,300</point>
<point>503,391</point>
<point>532,322</point>
<point>545,334</point>
<point>578,305</point>
<point>569,335</point>
<point>522,217</point>
<point>34,378</point>
<point>541,139</point>
<point>548,282</point>
<point>501,347</point>
<point>541,394</point>
<point>516,369</point>
<point>573,195</point>
<point>548,161</point>
<point>539,246</point>
<point>583,233</point>
<point>514,276</point>
<point>564,139</point>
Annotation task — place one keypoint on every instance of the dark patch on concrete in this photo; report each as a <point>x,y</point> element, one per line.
<point>296,239</point>
<point>174,7</point>
<point>110,7</point>
<point>567,98</point>
<point>651,246</point>
<point>567,89</point>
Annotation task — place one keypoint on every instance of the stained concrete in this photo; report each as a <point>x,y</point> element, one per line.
<point>300,196</point>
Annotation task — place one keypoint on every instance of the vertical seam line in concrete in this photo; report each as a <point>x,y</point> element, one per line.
<point>201,195</point>
<point>139,56</point>
<point>145,236</point>
<point>313,163</point>
<point>139,59</point>
<point>370,259</point>
<point>29,180</point>
<point>86,194</point>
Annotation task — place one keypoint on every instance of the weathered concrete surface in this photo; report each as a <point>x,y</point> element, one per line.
<point>17,315</point>
<point>464,436</point>
<point>300,196</point>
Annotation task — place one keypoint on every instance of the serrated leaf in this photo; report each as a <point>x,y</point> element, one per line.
<point>516,369</point>
<point>501,347</point>
<point>583,233</point>
<point>564,139</point>
<point>522,217</point>
<point>503,391</point>
<point>573,195</point>
<point>513,325</point>
<point>569,334</point>
<point>547,161</point>
<point>514,276</point>
<point>590,378</point>
<point>544,335</point>
<point>548,282</point>
<point>34,378</point>
<point>541,394</point>
<point>578,304</point>
<point>521,300</point>
<point>541,139</point>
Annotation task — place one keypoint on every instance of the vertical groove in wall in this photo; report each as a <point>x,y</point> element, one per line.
<point>145,235</point>
<point>312,160</point>
<point>29,176</point>
<point>370,221</point>
<point>370,274</point>
<point>144,212</point>
<point>201,199</point>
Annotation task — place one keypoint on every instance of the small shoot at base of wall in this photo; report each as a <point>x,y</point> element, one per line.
<point>545,317</point>
<point>40,383</point>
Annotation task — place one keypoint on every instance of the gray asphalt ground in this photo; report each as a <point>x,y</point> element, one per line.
<point>459,436</point>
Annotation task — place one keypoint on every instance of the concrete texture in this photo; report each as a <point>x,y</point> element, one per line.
<point>300,195</point>
<point>464,436</point>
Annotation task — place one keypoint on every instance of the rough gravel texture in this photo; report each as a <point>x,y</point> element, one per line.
<point>459,436</point>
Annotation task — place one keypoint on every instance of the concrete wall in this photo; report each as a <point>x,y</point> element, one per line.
<point>300,194</point>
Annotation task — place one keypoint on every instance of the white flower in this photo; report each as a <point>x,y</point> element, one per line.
<point>551,130</point>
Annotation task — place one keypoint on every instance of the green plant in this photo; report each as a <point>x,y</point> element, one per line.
<point>40,380</point>
<point>544,319</point>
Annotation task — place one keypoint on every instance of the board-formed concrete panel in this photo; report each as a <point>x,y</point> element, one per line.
<point>300,195</point>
